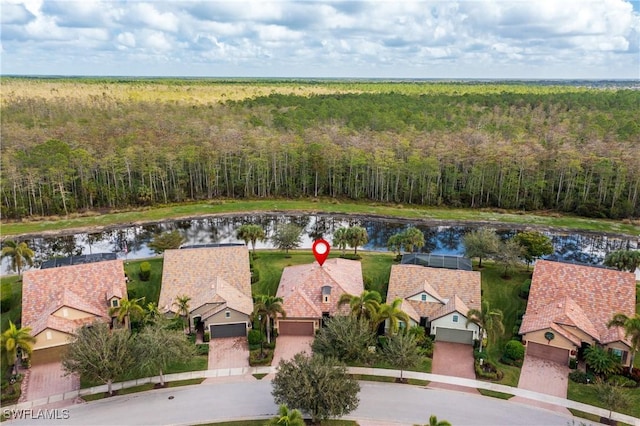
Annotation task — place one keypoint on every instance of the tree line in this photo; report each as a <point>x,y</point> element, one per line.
<point>572,151</point>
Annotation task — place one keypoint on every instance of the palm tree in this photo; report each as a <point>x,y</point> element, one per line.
<point>251,233</point>
<point>14,338</point>
<point>631,326</point>
<point>287,417</point>
<point>152,313</point>
<point>357,236</point>
<point>266,309</point>
<point>126,310</point>
<point>20,253</point>
<point>182,303</point>
<point>433,421</point>
<point>364,306</point>
<point>340,239</point>
<point>394,314</point>
<point>488,319</point>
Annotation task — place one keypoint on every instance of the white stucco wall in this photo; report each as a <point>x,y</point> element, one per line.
<point>447,322</point>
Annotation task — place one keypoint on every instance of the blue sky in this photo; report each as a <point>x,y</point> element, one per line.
<point>538,39</point>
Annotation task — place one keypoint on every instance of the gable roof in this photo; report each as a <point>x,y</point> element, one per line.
<point>207,275</point>
<point>301,286</point>
<point>85,287</point>
<point>443,284</point>
<point>580,296</point>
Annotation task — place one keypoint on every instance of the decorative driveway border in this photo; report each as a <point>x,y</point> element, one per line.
<point>226,372</point>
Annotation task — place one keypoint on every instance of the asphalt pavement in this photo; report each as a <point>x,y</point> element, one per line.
<point>385,403</point>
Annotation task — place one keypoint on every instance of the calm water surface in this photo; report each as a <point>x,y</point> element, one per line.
<point>131,242</point>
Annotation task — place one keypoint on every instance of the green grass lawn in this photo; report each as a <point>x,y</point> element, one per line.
<point>197,363</point>
<point>331,206</point>
<point>11,290</point>
<point>136,288</point>
<point>376,268</point>
<point>145,387</point>
<point>587,394</point>
<point>502,294</point>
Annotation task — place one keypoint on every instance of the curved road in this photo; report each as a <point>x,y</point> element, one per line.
<point>384,403</point>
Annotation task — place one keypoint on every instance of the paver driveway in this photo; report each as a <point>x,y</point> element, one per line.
<point>288,346</point>
<point>228,352</point>
<point>47,377</point>
<point>543,376</point>
<point>453,359</point>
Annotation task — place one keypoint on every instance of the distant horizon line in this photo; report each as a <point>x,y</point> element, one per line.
<point>404,79</point>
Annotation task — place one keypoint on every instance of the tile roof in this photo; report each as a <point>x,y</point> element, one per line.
<point>442,284</point>
<point>207,275</point>
<point>582,296</point>
<point>85,287</point>
<point>301,287</point>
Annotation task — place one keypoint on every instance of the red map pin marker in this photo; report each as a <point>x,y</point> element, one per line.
<point>321,250</point>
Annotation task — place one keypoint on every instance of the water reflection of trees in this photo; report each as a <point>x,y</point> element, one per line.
<point>584,248</point>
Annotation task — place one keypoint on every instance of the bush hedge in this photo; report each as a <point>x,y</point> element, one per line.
<point>202,349</point>
<point>256,359</point>
<point>622,381</point>
<point>581,377</point>
<point>145,271</point>
<point>487,371</point>
<point>254,337</point>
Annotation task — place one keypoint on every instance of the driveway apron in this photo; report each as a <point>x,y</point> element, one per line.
<point>453,359</point>
<point>544,376</point>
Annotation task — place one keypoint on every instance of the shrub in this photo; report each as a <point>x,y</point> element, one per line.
<point>573,363</point>
<point>487,371</point>
<point>256,358</point>
<point>514,350</point>
<point>254,337</point>
<point>206,337</point>
<point>622,381</point>
<point>202,349</point>
<point>477,355</point>
<point>5,305</point>
<point>524,289</point>
<point>351,256</point>
<point>581,377</point>
<point>145,271</point>
<point>635,375</point>
<point>255,276</point>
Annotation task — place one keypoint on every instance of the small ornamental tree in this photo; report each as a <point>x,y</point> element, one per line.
<point>402,352</point>
<point>535,245</point>
<point>100,354</point>
<point>514,350</point>
<point>318,386</point>
<point>346,338</point>
<point>481,243</point>
<point>287,237</point>
<point>166,241</point>
<point>156,347</point>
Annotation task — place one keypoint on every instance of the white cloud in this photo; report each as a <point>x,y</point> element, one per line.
<point>482,38</point>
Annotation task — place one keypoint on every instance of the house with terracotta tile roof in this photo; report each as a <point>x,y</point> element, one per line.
<point>438,299</point>
<point>311,292</point>
<point>569,307</point>
<point>218,281</point>
<point>56,301</point>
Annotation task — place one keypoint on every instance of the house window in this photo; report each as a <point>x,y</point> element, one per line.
<point>620,354</point>
<point>423,297</point>
<point>114,303</point>
<point>455,318</point>
<point>227,314</point>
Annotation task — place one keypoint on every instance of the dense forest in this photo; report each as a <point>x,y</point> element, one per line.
<point>70,146</point>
